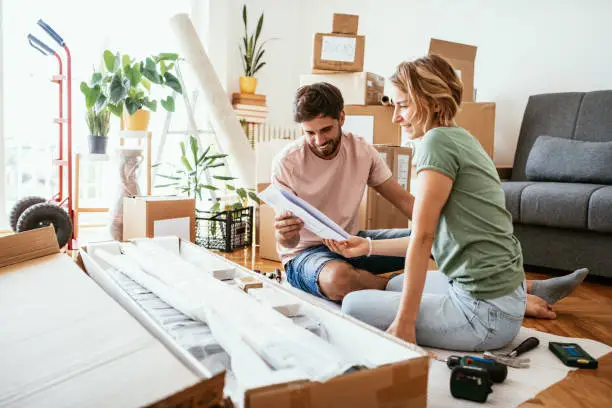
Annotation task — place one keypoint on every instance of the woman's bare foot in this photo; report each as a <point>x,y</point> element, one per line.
<point>538,308</point>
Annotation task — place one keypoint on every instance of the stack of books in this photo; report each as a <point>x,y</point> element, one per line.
<point>250,107</point>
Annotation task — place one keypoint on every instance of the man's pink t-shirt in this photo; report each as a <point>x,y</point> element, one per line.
<point>335,186</point>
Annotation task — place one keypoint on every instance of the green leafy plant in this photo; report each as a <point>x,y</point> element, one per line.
<point>190,178</point>
<point>98,122</point>
<point>125,82</point>
<point>251,50</point>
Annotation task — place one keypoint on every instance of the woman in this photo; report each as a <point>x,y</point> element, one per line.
<point>478,300</point>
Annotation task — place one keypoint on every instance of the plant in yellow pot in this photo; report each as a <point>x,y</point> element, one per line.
<point>129,86</point>
<point>252,53</point>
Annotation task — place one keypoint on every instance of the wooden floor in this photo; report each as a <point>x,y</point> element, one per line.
<point>587,313</point>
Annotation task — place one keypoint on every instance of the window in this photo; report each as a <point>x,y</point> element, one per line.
<point>136,27</point>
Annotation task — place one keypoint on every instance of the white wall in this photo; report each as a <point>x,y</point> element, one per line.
<point>524,47</point>
<point>3,215</point>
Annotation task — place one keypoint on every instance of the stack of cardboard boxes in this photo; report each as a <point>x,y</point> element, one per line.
<point>338,59</point>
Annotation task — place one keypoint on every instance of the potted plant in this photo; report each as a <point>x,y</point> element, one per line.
<point>252,53</point>
<point>98,123</point>
<point>124,86</point>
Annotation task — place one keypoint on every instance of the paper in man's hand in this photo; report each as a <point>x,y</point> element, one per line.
<point>314,220</point>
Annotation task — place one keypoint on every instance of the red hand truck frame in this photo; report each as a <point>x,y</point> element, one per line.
<point>64,161</point>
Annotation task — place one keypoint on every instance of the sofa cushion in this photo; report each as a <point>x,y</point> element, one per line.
<point>573,161</point>
<point>600,210</point>
<point>513,191</point>
<point>561,205</point>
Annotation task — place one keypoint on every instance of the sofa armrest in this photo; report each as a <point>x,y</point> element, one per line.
<point>505,172</point>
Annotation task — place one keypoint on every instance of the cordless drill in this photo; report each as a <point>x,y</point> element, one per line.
<point>472,377</point>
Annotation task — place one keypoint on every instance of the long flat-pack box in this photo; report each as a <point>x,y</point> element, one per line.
<point>151,216</point>
<point>338,52</point>
<point>397,371</point>
<point>64,342</point>
<point>358,88</point>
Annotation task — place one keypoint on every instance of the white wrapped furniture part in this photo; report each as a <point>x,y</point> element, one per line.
<point>397,371</point>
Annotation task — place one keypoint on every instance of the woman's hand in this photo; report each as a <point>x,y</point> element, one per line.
<point>402,330</point>
<point>351,248</point>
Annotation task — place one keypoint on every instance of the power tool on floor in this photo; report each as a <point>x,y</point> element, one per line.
<point>472,377</point>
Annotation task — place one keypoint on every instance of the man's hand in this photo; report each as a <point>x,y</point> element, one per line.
<point>351,248</point>
<point>402,329</point>
<point>288,229</point>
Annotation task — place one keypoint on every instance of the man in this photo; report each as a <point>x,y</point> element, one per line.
<point>330,170</point>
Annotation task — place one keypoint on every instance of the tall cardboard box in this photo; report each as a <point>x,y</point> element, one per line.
<point>358,88</point>
<point>267,239</point>
<point>375,212</point>
<point>374,123</point>
<point>338,52</point>
<point>478,118</point>
<point>150,216</point>
<point>462,58</point>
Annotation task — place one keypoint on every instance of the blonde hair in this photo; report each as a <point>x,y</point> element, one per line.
<point>433,87</point>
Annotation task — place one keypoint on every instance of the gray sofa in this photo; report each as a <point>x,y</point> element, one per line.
<point>560,190</point>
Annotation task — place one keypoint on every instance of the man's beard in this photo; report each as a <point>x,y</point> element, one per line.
<point>330,147</point>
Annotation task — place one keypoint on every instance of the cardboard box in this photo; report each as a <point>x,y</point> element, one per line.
<point>478,118</point>
<point>358,88</point>
<point>267,239</point>
<point>338,52</point>
<point>149,216</point>
<point>398,377</point>
<point>345,24</point>
<point>375,212</point>
<point>462,58</point>
<point>65,342</point>
<point>374,123</point>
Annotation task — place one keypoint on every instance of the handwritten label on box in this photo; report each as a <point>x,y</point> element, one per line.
<point>338,49</point>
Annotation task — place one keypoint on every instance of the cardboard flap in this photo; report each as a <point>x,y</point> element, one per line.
<point>402,384</point>
<point>452,50</point>
<point>208,393</point>
<point>28,245</point>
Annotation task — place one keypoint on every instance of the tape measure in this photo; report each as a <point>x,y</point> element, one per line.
<point>572,355</point>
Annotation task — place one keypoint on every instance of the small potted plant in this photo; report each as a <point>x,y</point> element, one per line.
<point>98,123</point>
<point>252,53</point>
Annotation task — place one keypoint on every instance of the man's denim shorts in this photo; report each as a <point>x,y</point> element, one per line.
<point>303,270</point>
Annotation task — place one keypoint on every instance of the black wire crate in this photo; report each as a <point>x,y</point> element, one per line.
<point>225,230</point>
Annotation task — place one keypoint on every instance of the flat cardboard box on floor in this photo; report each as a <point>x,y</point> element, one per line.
<point>478,118</point>
<point>267,239</point>
<point>65,342</point>
<point>345,23</point>
<point>462,58</point>
<point>374,123</point>
<point>149,216</point>
<point>375,212</point>
<point>338,52</point>
<point>358,88</point>
<point>392,384</point>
